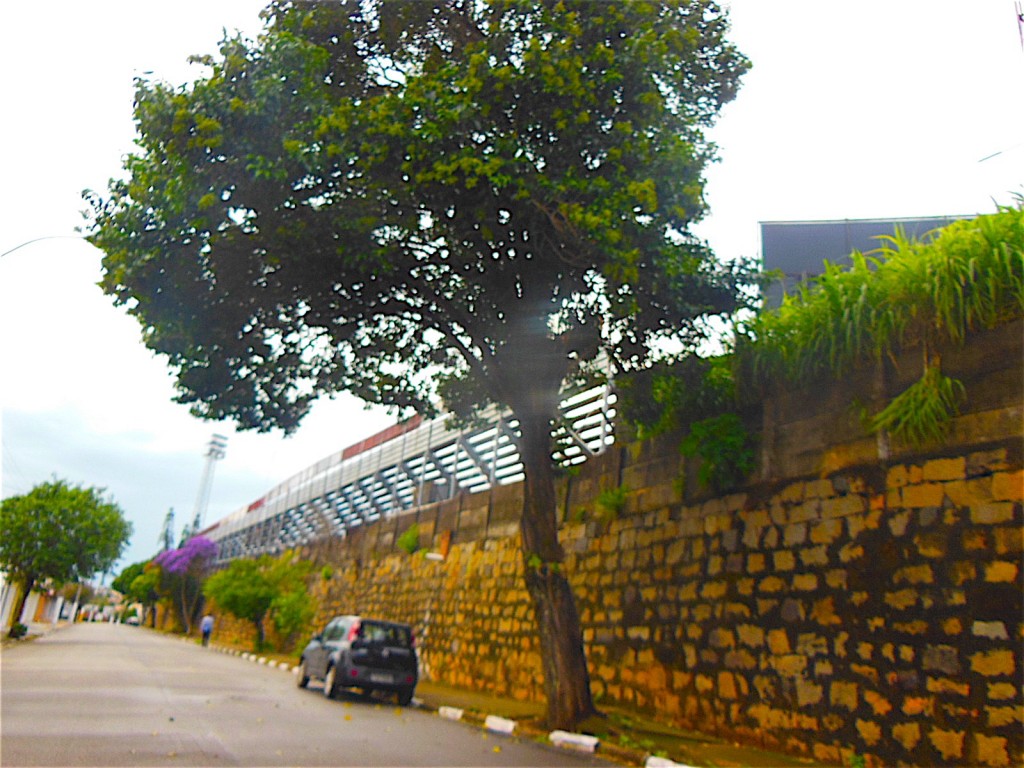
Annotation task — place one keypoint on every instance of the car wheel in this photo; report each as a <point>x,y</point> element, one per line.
<point>303,675</point>
<point>329,680</point>
<point>405,696</point>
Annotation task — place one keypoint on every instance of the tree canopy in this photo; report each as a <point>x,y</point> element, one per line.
<point>489,197</point>
<point>181,575</point>
<point>467,202</point>
<point>61,532</point>
<point>123,581</point>
<point>255,589</point>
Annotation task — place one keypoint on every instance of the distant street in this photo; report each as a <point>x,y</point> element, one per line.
<point>113,695</point>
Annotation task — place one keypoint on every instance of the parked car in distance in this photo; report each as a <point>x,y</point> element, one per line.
<point>362,653</point>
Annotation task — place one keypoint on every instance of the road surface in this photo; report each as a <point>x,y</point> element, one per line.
<point>115,695</point>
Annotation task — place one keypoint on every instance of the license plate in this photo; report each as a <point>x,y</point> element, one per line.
<point>379,678</point>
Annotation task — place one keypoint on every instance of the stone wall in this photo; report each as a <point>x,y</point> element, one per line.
<point>868,602</point>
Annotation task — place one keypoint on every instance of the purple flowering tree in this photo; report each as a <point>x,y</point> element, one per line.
<point>182,572</point>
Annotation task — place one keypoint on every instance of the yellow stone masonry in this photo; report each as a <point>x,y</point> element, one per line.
<point>873,611</point>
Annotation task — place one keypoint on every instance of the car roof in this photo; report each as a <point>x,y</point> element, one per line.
<point>366,619</point>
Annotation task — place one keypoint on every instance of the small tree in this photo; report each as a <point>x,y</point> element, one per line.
<point>138,583</point>
<point>145,588</point>
<point>254,590</point>
<point>182,574</point>
<point>59,531</point>
<point>123,581</point>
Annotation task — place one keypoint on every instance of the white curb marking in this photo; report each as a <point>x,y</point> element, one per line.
<point>499,724</point>
<point>663,762</point>
<point>578,741</point>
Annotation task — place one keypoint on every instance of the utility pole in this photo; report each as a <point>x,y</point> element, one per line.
<point>215,451</point>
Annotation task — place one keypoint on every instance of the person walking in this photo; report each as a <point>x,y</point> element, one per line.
<point>206,627</point>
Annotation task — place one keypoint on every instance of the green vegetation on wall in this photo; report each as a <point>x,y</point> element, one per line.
<point>909,294</point>
<point>611,502</point>
<point>723,444</point>
<point>698,396</point>
<point>265,587</point>
<point>671,396</point>
<point>922,294</point>
<point>409,541</point>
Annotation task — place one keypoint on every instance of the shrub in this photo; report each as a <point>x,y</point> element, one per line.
<point>723,445</point>
<point>611,502</point>
<point>409,541</point>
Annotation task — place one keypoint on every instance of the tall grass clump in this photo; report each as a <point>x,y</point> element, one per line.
<point>907,294</point>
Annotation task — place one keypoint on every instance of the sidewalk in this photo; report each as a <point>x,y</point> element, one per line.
<point>35,629</point>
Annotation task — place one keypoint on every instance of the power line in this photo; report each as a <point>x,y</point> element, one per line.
<point>44,237</point>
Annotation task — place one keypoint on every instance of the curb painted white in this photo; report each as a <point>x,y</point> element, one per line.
<point>577,741</point>
<point>500,725</point>
<point>663,762</point>
<point>450,713</point>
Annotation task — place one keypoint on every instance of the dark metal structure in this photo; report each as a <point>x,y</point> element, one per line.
<point>799,249</point>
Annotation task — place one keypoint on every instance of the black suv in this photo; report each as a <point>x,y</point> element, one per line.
<point>368,654</point>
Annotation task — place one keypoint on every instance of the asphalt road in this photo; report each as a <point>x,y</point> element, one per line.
<point>114,695</point>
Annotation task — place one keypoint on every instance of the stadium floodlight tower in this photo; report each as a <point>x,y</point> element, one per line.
<point>215,451</point>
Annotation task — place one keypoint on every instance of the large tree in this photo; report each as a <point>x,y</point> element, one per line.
<point>469,201</point>
<point>61,532</point>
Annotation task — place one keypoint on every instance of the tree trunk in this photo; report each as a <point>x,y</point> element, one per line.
<point>19,606</point>
<point>195,609</point>
<point>260,634</point>
<point>183,608</point>
<point>566,678</point>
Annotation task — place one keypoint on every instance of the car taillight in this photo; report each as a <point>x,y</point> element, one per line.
<point>412,639</point>
<point>353,631</point>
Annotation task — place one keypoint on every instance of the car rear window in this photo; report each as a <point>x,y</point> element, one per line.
<point>395,635</point>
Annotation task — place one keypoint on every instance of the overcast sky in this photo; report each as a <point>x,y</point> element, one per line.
<point>876,109</point>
